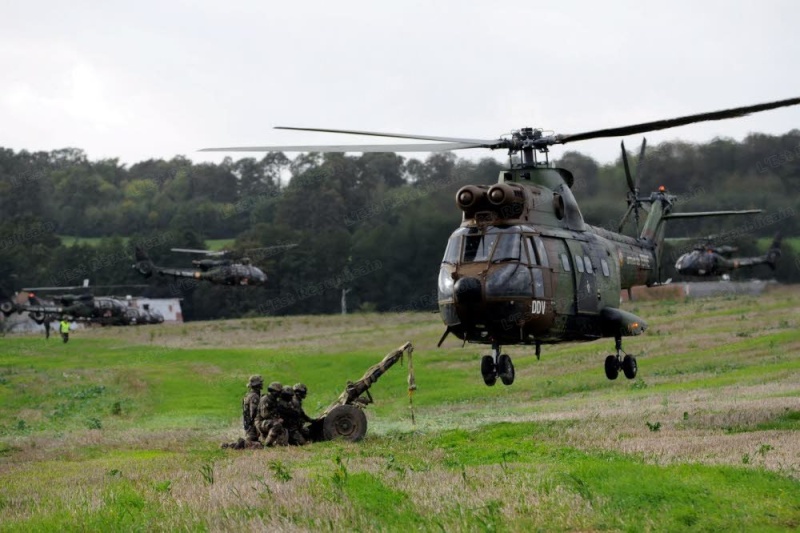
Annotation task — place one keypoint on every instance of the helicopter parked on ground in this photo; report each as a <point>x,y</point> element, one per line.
<point>220,267</point>
<point>707,260</point>
<point>523,267</point>
<point>79,307</point>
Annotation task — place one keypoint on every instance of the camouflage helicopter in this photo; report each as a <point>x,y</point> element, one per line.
<point>524,268</point>
<point>706,260</point>
<point>83,307</point>
<point>223,270</point>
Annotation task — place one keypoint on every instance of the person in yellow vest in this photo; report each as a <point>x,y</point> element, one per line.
<point>64,329</point>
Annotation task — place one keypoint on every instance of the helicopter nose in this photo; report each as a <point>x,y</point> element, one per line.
<point>468,291</point>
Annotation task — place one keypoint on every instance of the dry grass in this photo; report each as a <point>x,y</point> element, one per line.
<point>714,374</point>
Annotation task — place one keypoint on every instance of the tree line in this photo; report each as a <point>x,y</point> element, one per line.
<point>373,225</point>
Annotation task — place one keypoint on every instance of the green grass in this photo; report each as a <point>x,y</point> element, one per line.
<point>219,244</point>
<point>794,242</point>
<point>69,240</point>
<point>120,430</point>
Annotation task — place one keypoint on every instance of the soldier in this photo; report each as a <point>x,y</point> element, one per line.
<point>250,407</point>
<point>269,421</point>
<point>293,418</point>
<point>300,393</point>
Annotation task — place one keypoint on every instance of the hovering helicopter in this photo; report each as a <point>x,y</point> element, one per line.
<point>523,267</point>
<point>222,271</point>
<point>706,260</point>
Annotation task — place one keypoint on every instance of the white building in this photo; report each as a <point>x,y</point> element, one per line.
<point>170,308</point>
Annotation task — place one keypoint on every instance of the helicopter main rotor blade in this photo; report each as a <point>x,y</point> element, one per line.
<point>712,214</point>
<point>674,122</point>
<point>394,135</point>
<point>342,148</point>
<point>193,251</point>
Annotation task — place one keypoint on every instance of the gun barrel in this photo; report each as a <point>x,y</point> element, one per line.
<point>354,390</point>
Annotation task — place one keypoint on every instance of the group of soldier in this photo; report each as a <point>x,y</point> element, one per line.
<point>275,418</point>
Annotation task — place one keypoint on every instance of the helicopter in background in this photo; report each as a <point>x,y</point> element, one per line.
<point>706,260</point>
<point>524,268</point>
<point>78,307</point>
<point>219,267</point>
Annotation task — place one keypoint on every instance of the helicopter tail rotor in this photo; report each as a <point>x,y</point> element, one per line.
<point>634,202</point>
<point>774,252</point>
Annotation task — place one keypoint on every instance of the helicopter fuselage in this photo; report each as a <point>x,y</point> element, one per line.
<point>524,268</point>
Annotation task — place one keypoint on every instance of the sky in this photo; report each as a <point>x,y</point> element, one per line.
<point>143,80</point>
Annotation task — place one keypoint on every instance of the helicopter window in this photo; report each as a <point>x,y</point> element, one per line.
<point>541,252</point>
<point>588,263</point>
<point>579,263</point>
<point>531,254</point>
<point>538,283</point>
<point>565,263</point>
<point>604,266</point>
<point>509,281</point>
<point>507,248</point>
<point>452,250</point>
<point>477,247</point>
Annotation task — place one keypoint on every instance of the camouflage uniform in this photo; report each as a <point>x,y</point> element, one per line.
<point>268,420</point>
<point>300,393</point>
<point>293,417</point>
<point>250,407</point>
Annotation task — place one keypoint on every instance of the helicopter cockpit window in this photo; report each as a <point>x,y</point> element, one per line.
<point>507,248</point>
<point>579,263</point>
<point>453,249</point>
<point>478,247</point>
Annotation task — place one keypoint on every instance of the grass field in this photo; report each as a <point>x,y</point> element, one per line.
<point>793,242</point>
<point>68,240</point>
<point>120,428</point>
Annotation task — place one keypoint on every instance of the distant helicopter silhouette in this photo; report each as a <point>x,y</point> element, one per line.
<point>706,260</point>
<point>222,271</point>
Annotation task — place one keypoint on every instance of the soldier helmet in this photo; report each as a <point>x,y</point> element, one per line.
<point>255,381</point>
<point>287,392</point>
<point>301,390</point>
<point>274,387</point>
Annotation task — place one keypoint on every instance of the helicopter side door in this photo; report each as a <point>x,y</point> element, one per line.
<point>583,270</point>
<point>562,281</point>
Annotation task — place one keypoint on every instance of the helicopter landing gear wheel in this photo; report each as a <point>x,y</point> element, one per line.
<point>505,369</point>
<point>488,370</point>
<point>629,366</point>
<point>612,367</point>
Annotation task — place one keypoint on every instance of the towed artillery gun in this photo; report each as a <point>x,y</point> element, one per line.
<point>345,417</point>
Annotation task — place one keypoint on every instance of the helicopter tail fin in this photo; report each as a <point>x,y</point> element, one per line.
<point>143,263</point>
<point>774,252</point>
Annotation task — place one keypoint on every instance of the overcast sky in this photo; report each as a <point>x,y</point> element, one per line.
<point>158,79</point>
